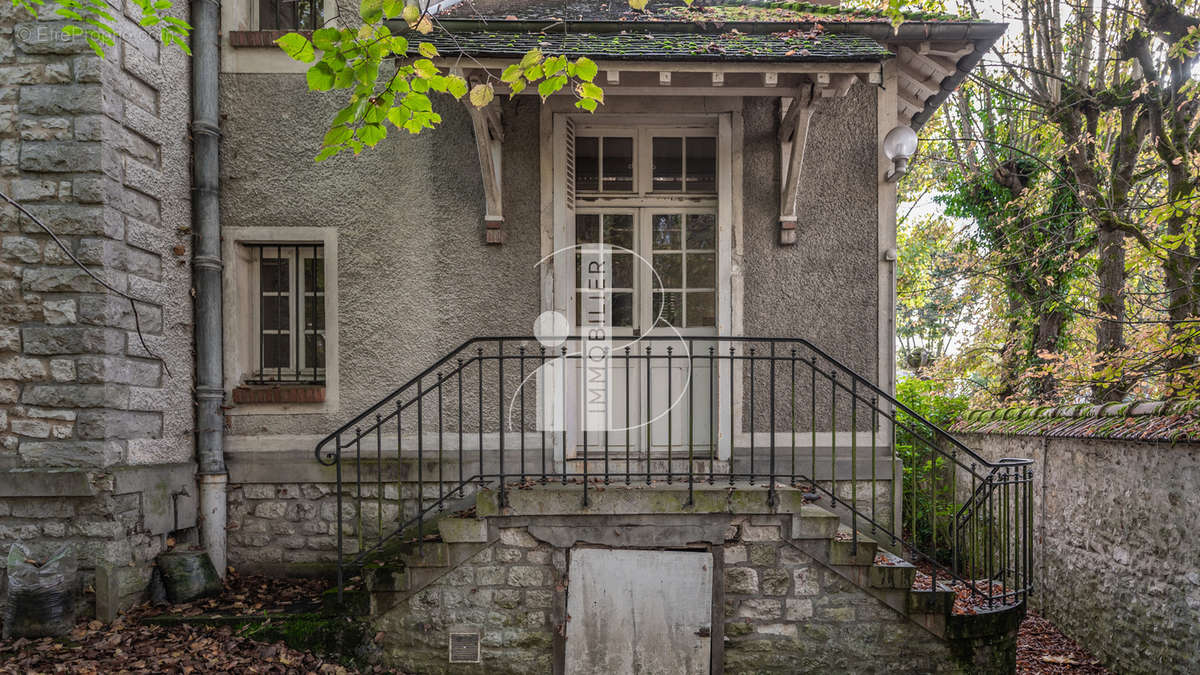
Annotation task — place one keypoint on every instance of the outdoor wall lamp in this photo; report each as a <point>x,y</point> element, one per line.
<point>898,146</point>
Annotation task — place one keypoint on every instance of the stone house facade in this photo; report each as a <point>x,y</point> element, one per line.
<point>379,321</point>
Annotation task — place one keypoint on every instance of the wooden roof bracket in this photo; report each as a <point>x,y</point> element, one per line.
<point>489,141</point>
<point>793,139</point>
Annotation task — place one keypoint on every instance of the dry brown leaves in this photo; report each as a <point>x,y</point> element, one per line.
<point>1043,650</point>
<point>126,646</point>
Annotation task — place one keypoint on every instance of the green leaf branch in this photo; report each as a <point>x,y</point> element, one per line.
<point>354,61</point>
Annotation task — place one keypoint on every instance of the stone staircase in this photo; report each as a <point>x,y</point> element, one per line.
<point>406,568</point>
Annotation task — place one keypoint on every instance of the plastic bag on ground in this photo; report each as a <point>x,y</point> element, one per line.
<point>41,598</point>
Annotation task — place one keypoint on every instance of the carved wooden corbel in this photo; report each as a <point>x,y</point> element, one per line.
<point>793,137</point>
<point>489,141</point>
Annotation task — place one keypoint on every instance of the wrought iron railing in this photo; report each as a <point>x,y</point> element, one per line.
<point>734,411</point>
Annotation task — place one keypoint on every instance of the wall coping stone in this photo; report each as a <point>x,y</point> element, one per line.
<point>1172,421</point>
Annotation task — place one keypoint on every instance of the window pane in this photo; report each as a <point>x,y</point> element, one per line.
<point>666,231</point>
<point>701,309</point>
<point>618,229</point>
<point>667,156</point>
<point>668,309</point>
<point>669,267</point>
<point>314,312</point>
<point>275,312</point>
<point>587,228</point>
<point>618,164</point>
<point>622,310</point>
<point>622,270</point>
<point>587,164</point>
<point>314,274</point>
<point>277,350</point>
<point>701,270</point>
<point>274,274</point>
<point>702,231</point>
<point>701,164</point>
<point>314,351</point>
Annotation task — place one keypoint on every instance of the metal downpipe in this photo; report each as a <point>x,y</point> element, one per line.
<point>206,278</point>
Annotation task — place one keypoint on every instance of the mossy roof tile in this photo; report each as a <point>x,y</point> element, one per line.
<point>668,46</point>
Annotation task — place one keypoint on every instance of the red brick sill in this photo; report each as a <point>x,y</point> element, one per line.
<point>279,393</point>
<point>261,38</point>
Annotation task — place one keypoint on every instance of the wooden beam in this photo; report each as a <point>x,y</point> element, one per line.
<point>915,81</point>
<point>952,51</point>
<point>489,136</point>
<point>939,67</point>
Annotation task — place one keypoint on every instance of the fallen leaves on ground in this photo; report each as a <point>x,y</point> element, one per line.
<point>1043,650</point>
<point>125,646</point>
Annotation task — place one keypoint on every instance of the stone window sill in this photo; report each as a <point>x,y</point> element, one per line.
<point>261,38</point>
<point>281,393</point>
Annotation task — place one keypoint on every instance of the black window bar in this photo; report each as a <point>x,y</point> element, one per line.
<point>290,14</point>
<point>291,314</point>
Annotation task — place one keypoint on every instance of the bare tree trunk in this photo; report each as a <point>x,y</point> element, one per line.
<point>1110,305</point>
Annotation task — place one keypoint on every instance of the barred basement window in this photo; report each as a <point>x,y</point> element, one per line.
<point>290,14</point>
<point>289,313</point>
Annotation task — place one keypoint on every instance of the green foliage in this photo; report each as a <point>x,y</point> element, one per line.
<point>94,20</point>
<point>929,499</point>
<point>353,61</point>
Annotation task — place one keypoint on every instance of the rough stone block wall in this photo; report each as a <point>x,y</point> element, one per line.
<point>1116,555</point>
<point>95,433</point>
<point>509,589</point>
<point>291,528</point>
<point>784,612</point>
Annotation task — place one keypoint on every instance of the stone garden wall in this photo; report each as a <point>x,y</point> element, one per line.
<point>95,432</point>
<point>1117,559</point>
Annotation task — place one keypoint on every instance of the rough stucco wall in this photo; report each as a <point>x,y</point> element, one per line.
<point>824,288</point>
<point>95,435</point>
<point>1116,549</point>
<point>415,278</point>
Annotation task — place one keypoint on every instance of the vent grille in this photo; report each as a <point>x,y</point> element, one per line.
<point>464,647</point>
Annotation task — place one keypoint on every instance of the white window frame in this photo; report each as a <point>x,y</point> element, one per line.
<point>240,313</point>
<point>560,202</point>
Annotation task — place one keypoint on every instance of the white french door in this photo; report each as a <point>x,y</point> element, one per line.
<point>657,194</point>
<point>661,293</point>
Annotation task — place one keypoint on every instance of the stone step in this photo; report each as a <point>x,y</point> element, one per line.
<point>896,573</point>
<point>657,498</point>
<point>463,530</point>
<point>814,522</point>
<point>843,551</point>
<point>939,602</point>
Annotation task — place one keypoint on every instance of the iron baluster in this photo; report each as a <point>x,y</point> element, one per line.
<point>461,460</point>
<point>479,411</point>
<point>732,425</point>
<point>771,431</point>
<point>812,396</point>
<point>379,475</point>
<point>649,413</point>
<point>628,419</point>
<point>712,416</point>
<point>874,458</point>
<point>854,466</point>
<point>358,529</point>
<point>562,394</point>
<point>441,446</point>
<point>503,497</point>
<point>792,380</point>
<point>833,488</point>
<point>420,468</point>
<point>521,386</point>
<point>691,386</point>
<point>670,415</point>
<point>751,420</point>
<point>337,464</point>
